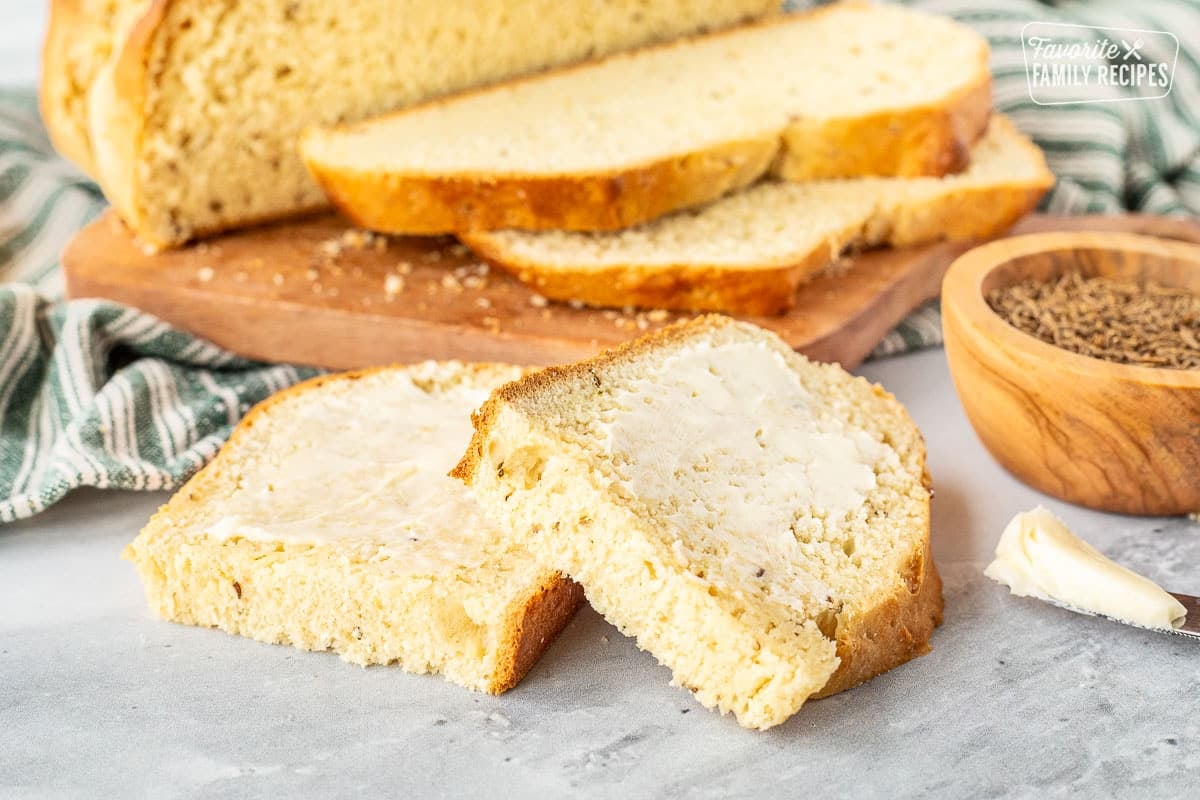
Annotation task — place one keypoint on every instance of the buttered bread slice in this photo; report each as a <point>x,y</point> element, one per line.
<point>759,523</point>
<point>748,253</point>
<point>849,90</point>
<point>328,522</point>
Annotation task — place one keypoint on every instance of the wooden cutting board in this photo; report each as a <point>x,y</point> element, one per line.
<point>317,292</point>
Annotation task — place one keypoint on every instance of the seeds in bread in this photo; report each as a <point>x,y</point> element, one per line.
<point>189,115</point>
<point>748,252</point>
<point>759,522</point>
<point>844,91</point>
<point>328,523</point>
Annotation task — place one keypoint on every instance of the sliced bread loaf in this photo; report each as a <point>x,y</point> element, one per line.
<point>760,523</point>
<point>849,90</point>
<point>188,111</point>
<point>748,252</point>
<point>328,522</point>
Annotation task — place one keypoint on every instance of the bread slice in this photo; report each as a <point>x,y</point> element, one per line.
<point>848,90</point>
<point>748,252</point>
<point>328,522</point>
<point>760,523</point>
<point>188,111</point>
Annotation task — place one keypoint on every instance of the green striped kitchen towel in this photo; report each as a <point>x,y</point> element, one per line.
<point>93,394</point>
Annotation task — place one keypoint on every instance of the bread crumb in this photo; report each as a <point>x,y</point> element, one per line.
<point>658,315</point>
<point>483,302</point>
<point>433,255</point>
<point>492,324</point>
<point>277,279</point>
<point>403,267</point>
<point>576,304</point>
<point>205,274</point>
<point>452,283</point>
<point>312,274</point>
<point>393,285</point>
<point>537,301</point>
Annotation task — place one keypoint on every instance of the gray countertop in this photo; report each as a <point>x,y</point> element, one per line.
<point>97,698</point>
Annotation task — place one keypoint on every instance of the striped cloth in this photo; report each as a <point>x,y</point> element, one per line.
<point>93,394</point>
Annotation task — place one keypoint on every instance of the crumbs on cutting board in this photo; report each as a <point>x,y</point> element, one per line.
<point>473,277</point>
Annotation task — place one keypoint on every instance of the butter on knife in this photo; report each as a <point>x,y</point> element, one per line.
<point>1037,556</point>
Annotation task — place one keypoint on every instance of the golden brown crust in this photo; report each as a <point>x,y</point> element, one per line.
<point>532,628</point>
<point>755,290</point>
<point>601,201</point>
<point>893,631</point>
<point>117,116</point>
<point>868,643</point>
<point>928,140</point>
<point>66,127</point>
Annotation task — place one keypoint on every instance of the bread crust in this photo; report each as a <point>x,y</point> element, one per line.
<point>411,203</point>
<point>116,119</point>
<point>928,140</point>
<point>896,630</point>
<point>65,122</point>
<point>528,628</point>
<point>757,290</point>
<point>869,641</point>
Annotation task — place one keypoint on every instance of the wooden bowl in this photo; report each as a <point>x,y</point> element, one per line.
<point>1103,435</point>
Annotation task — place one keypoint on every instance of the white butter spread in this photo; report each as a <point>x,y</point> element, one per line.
<point>729,450</point>
<point>364,467</point>
<point>1039,557</point>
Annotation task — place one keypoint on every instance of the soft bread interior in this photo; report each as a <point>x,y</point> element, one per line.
<point>854,60</point>
<point>328,522</point>
<point>727,502</point>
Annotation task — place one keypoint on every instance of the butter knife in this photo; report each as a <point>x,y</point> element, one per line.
<point>1190,626</point>
<point>1191,623</point>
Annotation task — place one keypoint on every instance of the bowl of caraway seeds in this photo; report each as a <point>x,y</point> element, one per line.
<point>1077,359</point>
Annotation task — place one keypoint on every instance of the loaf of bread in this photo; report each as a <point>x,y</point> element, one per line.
<point>759,523</point>
<point>188,112</point>
<point>748,252</point>
<point>845,91</point>
<point>328,522</point>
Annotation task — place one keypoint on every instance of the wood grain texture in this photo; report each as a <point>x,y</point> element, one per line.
<point>273,294</point>
<point>1108,436</point>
